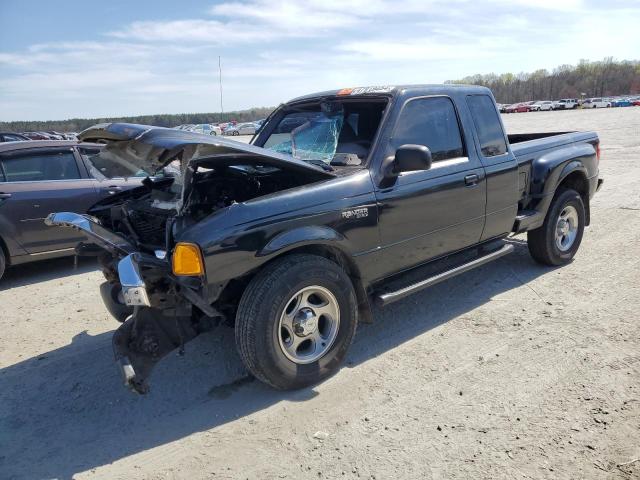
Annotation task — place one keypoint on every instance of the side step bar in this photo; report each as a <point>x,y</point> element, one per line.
<point>390,297</point>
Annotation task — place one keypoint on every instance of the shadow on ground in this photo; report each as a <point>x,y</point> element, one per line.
<point>45,270</point>
<point>66,411</point>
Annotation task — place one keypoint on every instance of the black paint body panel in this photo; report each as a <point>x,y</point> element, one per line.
<point>410,219</point>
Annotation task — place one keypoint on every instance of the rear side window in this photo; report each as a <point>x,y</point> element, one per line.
<point>488,126</point>
<point>34,167</point>
<point>431,122</point>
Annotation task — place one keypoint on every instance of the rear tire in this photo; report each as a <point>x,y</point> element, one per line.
<point>558,239</point>
<point>290,359</point>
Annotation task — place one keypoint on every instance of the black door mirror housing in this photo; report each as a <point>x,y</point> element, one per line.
<point>410,158</point>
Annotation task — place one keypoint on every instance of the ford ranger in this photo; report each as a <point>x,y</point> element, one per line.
<point>343,199</point>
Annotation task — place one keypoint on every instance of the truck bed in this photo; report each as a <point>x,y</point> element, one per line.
<point>525,146</point>
<point>529,148</point>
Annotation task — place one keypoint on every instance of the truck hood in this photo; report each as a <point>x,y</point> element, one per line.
<point>131,147</point>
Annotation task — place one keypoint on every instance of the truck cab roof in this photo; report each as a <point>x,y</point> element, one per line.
<point>394,91</point>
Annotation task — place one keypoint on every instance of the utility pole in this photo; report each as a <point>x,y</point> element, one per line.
<point>220,77</point>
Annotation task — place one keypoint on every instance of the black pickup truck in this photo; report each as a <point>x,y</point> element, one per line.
<point>343,199</point>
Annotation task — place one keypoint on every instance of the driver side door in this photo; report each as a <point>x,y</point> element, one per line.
<point>426,214</point>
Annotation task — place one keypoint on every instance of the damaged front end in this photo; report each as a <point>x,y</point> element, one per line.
<point>160,311</point>
<point>135,233</point>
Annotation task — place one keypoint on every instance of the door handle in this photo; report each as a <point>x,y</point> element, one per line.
<point>112,189</point>
<point>4,196</point>
<point>471,180</point>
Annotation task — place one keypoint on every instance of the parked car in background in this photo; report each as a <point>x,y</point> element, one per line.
<point>40,177</point>
<point>541,106</point>
<point>53,135</point>
<point>636,102</point>
<point>511,108</point>
<point>621,102</point>
<point>596,103</point>
<point>206,129</point>
<point>242,129</point>
<point>566,104</point>
<point>524,107</point>
<point>13,137</point>
<point>36,135</point>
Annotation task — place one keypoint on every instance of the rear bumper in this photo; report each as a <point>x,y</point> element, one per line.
<point>595,184</point>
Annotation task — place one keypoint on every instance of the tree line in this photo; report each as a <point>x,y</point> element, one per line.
<point>160,120</point>
<point>607,77</point>
<point>603,78</point>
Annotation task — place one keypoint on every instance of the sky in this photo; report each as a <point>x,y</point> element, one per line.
<point>91,59</point>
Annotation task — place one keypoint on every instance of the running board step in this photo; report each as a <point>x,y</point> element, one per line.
<point>390,297</point>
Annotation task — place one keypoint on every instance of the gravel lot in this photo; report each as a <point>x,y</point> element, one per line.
<point>510,371</point>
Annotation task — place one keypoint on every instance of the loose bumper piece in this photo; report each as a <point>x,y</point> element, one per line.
<point>134,290</point>
<point>96,232</point>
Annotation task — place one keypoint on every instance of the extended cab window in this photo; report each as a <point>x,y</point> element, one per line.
<point>34,167</point>
<point>487,124</point>
<point>431,122</point>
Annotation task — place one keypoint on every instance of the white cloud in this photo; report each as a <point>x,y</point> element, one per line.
<point>180,31</point>
<point>561,5</point>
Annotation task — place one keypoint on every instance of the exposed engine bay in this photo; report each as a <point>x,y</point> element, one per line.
<point>147,214</point>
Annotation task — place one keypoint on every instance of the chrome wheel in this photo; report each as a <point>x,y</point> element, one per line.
<point>567,228</point>
<point>309,324</point>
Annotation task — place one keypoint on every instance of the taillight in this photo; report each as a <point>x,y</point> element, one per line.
<point>598,151</point>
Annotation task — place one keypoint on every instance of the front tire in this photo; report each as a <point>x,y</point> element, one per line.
<point>558,239</point>
<point>295,321</point>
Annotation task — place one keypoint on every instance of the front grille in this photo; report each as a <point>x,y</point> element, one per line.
<point>149,226</point>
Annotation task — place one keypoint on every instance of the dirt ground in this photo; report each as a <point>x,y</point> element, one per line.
<point>510,371</point>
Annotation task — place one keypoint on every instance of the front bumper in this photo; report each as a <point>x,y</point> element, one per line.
<point>134,291</point>
<point>95,232</point>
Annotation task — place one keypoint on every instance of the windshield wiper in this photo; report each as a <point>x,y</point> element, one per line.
<point>320,163</point>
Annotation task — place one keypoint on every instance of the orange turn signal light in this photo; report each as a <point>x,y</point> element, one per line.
<point>187,260</point>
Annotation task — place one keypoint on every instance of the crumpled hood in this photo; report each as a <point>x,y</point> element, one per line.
<point>133,146</point>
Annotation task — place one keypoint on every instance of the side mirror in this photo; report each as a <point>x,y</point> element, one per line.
<point>410,158</point>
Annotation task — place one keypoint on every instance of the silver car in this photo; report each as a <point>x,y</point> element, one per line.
<point>242,129</point>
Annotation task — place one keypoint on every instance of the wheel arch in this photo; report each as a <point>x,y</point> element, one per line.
<point>322,247</point>
<point>567,167</point>
<point>576,179</point>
